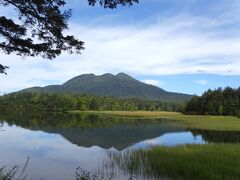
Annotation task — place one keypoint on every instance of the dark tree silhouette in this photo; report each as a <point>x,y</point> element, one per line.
<point>112,3</point>
<point>41,28</point>
<point>3,68</point>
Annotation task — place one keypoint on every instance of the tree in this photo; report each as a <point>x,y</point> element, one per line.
<point>216,102</point>
<point>3,68</point>
<point>41,31</point>
<point>220,109</point>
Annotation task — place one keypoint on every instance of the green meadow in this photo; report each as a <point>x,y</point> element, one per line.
<point>220,123</point>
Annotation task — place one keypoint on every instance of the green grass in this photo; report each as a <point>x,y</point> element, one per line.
<point>221,123</point>
<point>198,162</point>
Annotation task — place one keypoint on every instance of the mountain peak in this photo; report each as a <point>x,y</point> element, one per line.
<point>124,76</point>
<point>107,75</point>
<point>86,75</point>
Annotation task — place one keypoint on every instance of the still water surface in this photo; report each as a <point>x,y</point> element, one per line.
<point>57,145</point>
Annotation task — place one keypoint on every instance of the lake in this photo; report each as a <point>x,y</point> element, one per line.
<point>60,145</point>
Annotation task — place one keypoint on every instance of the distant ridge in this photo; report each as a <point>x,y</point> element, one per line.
<point>121,85</point>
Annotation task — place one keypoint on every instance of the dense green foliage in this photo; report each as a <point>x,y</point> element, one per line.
<point>121,86</point>
<point>65,102</point>
<point>216,102</point>
<point>198,162</point>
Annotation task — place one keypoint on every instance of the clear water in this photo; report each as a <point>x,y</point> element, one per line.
<point>57,147</point>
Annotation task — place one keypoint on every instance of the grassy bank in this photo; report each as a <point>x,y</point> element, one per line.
<point>223,123</point>
<point>210,161</point>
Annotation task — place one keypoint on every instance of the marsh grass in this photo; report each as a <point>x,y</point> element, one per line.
<point>198,162</point>
<point>128,113</point>
<point>14,173</point>
<point>220,123</point>
<point>8,174</point>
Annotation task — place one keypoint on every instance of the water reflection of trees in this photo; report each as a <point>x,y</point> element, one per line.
<point>218,136</point>
<point>66,120</point>
<point>91,130</point>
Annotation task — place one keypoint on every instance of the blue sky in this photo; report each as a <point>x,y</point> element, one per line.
<point>193,83</point>
<point>183,46</point>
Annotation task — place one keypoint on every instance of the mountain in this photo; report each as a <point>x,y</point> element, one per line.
<point>120,85</point>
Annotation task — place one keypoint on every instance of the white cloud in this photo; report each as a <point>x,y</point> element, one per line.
<point>183,44</point>
<point>201,82</point>
<point>153,82</point>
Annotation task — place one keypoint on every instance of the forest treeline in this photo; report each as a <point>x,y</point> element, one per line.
<point>216,102</point>
<point>65,102</point>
